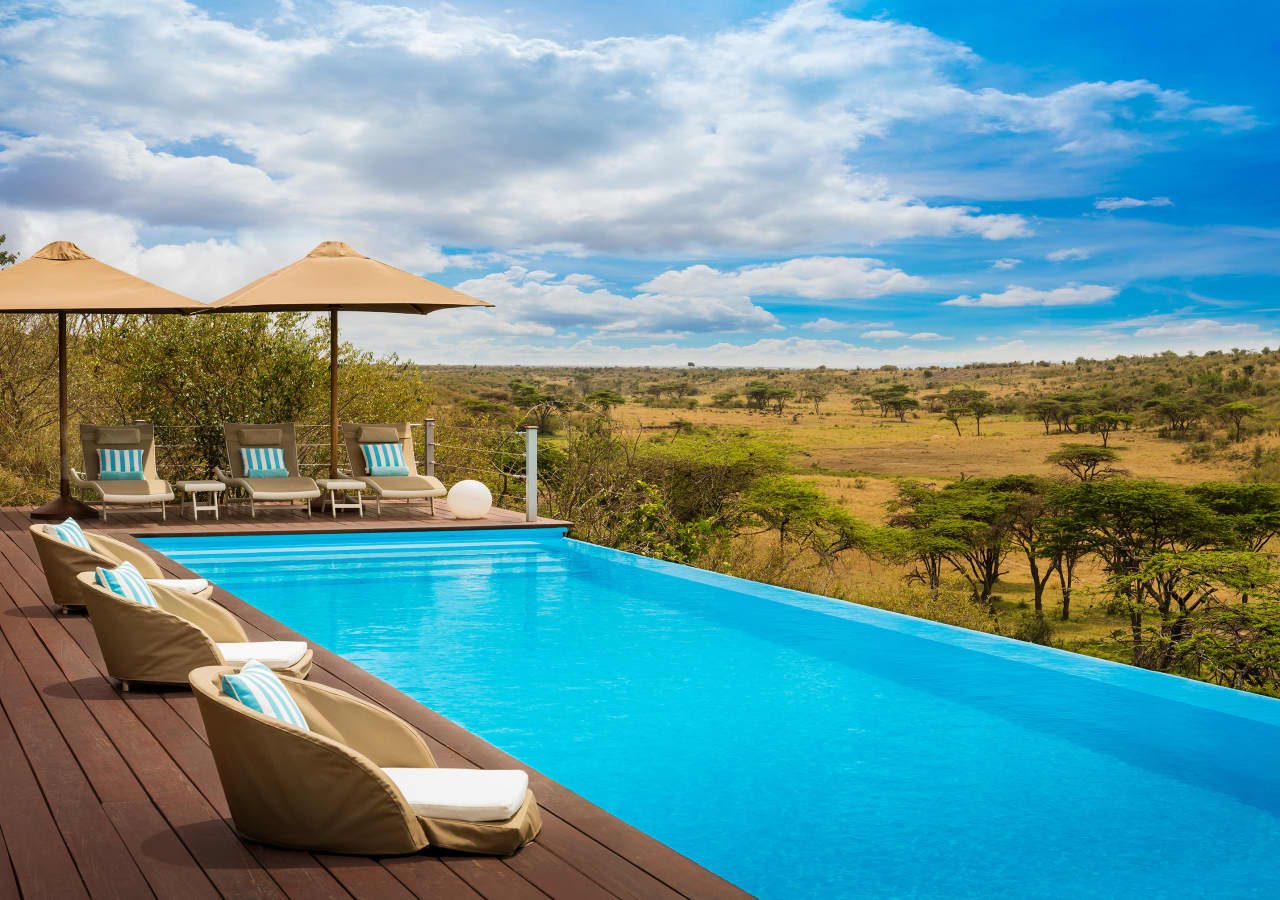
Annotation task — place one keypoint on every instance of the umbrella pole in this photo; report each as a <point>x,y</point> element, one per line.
<point>65,505</point>
<point>333,393</point>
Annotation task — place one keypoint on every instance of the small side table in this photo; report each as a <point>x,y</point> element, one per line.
<point>194,489</point>
<point>334,486</point>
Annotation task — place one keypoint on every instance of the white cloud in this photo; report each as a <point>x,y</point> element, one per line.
<point>1210,331</point>
<point>929,336</point>
<point>883,334</point>
<point>1113,203</point>
<point>1019,295</point>
<point>579,302</point>
<point>452,129</point>
<point>812,278</point>
<point>1068,254</point>
<point>1005,263</point>
<point>824,324</point>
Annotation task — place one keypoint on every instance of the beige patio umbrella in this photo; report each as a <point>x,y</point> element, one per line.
<point>61,278</point>
<point>334,277</point>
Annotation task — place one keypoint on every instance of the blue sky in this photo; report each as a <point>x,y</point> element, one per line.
<point>725,182</point>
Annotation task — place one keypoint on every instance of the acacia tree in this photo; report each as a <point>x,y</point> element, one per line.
<point>1178,583</point>
<point>1029,518</point>
<point>1235,645</point>
<point>954,416</point>
<point>815,393</point>
<point>1047,411</point>
<point>1085,462</point>
<point>1235,414</point>
<point>1127,523</point>
<point>1103,423</point>
<point>965,523</point>
<point>792,507</point>
<point>605,400</point>
<point>1064,538</point>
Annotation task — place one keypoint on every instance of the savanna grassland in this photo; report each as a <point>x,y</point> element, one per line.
<point>1172,425</point>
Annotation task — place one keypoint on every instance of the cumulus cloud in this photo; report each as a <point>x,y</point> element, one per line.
<point>1005,263</point>
<point>1019,295</point>
<point>882,334</point>
<point>1068,254</point>
<point>824,324</point>
<point>461,131</point>
<point>1113,203</point>
<point>1211,331</point>
<point>578,302</point>
<point>929,336</point>
<point>813,278</point>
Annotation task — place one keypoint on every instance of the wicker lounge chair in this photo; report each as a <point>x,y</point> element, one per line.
<point>62,562</point>
<point>147,490</point>
<point>162,644</point>
<point>290,488</point>
<point>408,487</point>
<point>365,759</point>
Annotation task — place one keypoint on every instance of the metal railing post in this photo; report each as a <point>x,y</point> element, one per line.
<point>531,473</point>
<point>429,445</point>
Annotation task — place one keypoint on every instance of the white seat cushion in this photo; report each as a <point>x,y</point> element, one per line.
<point>186,585</point>
<point>466,795</point>
<point>275,654</point>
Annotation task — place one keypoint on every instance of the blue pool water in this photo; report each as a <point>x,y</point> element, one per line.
<point>798,746</point>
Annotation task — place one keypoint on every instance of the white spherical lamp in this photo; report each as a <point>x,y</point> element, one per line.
<point>470,499</point>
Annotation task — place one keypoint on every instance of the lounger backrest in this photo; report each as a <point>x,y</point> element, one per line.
<point>355,434</point>
<point>144,643</point>
<point>139,436</point>
<point>240,434</point>
<point>300,789</point>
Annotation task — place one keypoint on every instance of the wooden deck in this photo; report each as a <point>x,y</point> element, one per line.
<point>107,794</point>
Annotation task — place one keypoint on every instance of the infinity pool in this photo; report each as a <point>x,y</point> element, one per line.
<point>797,745</point>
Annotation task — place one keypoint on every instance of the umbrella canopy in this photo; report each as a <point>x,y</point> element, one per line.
<point>61,278</point>
<point>336,277</point>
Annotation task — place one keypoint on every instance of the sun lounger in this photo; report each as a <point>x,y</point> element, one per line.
<point>161,644</point>
<point>120,468</point>
<point>366,448</point>
<point>62,561</point>
<point>262,461</point>
<point>356,779</point>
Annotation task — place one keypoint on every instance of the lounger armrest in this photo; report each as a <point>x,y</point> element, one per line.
<point>109,547</point>
<point>387,740</point>
<point>436,483</point>
<point>78,479</point>
<point>214,620</point>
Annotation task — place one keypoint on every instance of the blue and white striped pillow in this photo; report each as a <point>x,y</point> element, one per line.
<point>384,459</point>
<point>70,532</point>
<point>260,689</point>
<point>119,465</point>
<point>263,462</point>
<point>126,581</point>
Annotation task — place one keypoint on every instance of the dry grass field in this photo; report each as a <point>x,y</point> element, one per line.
<point>858,458</point>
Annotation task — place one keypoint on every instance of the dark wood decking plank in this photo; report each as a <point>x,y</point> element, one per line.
<point>41,862</point>
<point>553,876</point>
<point>364,877</point>
<point>494,882</point>
<point>105,864</point>
<point>428,876</point>
<point>8,880</point>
